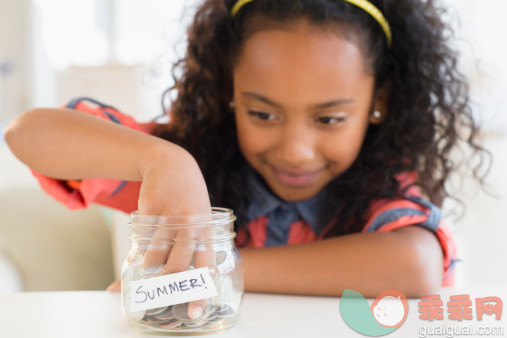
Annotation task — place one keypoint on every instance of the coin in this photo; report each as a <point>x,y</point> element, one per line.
<point>225,311</point>
<point>151,320</point>
<point>166,315</point>
<point>154,312</point>
<point>180,311</point>
<point>212,316</point>
<point>218,316</point>
<point>197,323</point>
<point>137,315</point>
<point>171,323</point>
<point>214,323</point>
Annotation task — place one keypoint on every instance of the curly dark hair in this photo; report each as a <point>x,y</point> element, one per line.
<point>428,110</point>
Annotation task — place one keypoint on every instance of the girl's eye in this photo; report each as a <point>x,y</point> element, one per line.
<point>330,120</point>
<point>261,115</point>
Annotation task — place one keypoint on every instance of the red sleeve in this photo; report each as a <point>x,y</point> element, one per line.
<point>388,215</point>
<point>117,194</point>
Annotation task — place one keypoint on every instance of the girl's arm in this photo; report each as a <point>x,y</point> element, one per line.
<point>408,259</point>
<point>69,144</point>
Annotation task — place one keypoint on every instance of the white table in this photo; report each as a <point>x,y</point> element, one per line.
<point>98,314</point>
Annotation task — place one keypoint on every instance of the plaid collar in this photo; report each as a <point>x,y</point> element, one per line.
<point>264,202</point>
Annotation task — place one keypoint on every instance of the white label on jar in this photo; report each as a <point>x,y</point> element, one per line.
<point>175,288</point>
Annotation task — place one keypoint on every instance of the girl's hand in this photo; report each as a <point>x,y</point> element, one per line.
<point>172,184</point>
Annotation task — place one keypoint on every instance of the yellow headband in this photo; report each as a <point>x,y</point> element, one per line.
<point>365,5</point>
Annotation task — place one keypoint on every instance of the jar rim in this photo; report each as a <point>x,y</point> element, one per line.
<point>217,216</point>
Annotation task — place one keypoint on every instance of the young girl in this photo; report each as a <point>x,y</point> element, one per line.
<point>327,125</point>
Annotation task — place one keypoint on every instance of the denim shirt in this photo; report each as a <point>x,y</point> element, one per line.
<point>281,214</point>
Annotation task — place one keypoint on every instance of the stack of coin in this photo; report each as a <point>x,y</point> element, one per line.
<point>161,317</point>
<point>176,317</point>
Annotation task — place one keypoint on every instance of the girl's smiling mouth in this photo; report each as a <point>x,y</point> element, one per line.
<point>295,178</point>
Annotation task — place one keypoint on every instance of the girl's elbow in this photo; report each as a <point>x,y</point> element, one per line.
<point>15,130</point>
<point>426,274</point>
<point>426,285</point>
<point>423,261</point>
<point>11,131</point>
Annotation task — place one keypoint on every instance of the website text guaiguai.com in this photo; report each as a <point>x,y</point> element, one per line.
<point>460,330</point>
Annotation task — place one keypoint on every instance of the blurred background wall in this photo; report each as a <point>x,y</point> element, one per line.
<point>121,52</point>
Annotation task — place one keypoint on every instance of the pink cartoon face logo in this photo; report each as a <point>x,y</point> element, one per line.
<point>390,308</point>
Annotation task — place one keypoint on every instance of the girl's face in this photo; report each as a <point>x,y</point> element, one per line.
<point>303,99</point>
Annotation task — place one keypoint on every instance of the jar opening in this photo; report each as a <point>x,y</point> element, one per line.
<point>217,216</point>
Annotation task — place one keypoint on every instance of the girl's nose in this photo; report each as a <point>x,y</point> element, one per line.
<point>296,147</point>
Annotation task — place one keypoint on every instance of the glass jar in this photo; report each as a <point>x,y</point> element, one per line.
<point>183,274</point>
